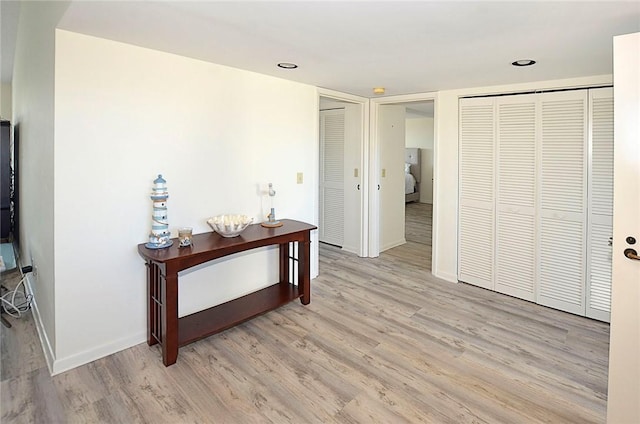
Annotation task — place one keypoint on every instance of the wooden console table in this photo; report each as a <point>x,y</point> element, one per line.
<point>163,265</point>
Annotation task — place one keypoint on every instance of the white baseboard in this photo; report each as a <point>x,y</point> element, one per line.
<point>351,249</point>
<point>47,349</point>
<point>392,245</point>
<point>55,365</point>
<point>452,278</point>
<point>82,358</point>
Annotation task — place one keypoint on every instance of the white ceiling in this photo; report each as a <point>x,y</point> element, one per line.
<point>353,46</point>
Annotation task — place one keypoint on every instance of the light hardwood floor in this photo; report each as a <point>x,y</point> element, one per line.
<point>382,341</point>
<point>418,223</point>
<point>418,217</point>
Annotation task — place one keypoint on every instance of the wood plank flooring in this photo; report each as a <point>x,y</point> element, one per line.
<point>418,222</point>
<point>382,341</point>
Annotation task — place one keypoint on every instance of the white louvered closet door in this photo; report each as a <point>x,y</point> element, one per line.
<point>476,212</point>
<point>601,204</point>
<point>563,201</point>
<point>515,272</point>
<point>331,216</point>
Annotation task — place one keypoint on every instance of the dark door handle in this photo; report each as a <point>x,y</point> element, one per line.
<point>631,254</point>
<point>358,186</point>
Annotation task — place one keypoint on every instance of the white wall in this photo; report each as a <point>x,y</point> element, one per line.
<point>33,118</point>
<point>419,133</point>
<point>5,101</point>
<point>218,135</point>
<point>445,234</point>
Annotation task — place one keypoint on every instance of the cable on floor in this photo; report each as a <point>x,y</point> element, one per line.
<point>16,302</point>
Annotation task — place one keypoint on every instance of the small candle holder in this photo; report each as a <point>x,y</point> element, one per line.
<point>185,236</point>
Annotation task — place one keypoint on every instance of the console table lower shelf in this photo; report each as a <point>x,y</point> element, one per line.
<point>163,325</point>
<point>200,325</point>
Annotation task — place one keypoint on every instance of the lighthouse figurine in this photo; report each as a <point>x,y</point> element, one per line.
<point>160,237</point>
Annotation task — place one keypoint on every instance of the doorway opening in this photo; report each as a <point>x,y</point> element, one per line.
<point>419,135</point>
<point>405,131</point>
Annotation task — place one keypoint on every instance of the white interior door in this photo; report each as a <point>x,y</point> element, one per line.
<point>353,186</point>
<point>391,139</point>
<point>624,353</point>
<point>477,192</point>
<point>552,164</point>
<point>563,201</point>
<point>516,175</point>
<point>331,217</point>
<point>341,145</point>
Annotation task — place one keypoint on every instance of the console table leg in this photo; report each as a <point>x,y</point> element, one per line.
<point>170,320</point>
<point>152,307</point>
<point>284,263</point>
<point>304,271</point>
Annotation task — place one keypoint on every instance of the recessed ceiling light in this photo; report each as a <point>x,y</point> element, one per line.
<point>523,62</point>
<point>286,65</point>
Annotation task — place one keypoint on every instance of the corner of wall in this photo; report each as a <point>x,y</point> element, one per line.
<point>47,348</point>
<point>451,278</point>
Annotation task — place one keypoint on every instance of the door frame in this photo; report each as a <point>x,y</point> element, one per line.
<point>364,162</point>
<point>374,168</point>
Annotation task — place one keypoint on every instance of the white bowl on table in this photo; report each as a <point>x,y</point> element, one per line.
<point>229,225</point>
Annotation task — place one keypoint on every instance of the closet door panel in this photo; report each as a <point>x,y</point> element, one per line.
<point>476,246</point>
<point>516,196</point>
<point>476,216</point>
<point>601,205</point>
<point>561,269</point>
<point>563,200</point>
<point>515,256</point>
<point>602,152</point>
<point>599,288</point>
<point>332,135</point>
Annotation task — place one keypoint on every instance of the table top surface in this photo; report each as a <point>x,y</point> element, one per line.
<point>211,241</point>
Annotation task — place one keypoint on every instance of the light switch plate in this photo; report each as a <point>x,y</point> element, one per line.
<point>299,178</point>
